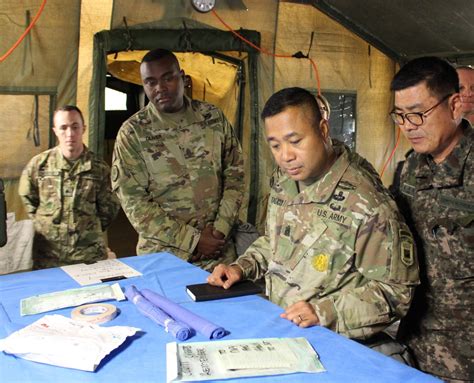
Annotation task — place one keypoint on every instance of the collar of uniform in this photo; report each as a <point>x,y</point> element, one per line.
<point>450,171</point>
<point>177,117</point>
<point>84,162</point>
<point>321,190</point>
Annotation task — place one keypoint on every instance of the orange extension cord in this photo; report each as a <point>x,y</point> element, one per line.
<point>27,30</point>
<point>264,51</point>
<point>391,154</point>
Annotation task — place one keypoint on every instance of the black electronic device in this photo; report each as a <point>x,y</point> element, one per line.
<point>3,216</point>
<point>206,292</point>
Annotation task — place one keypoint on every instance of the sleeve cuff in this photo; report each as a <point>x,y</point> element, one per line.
<point>190,239</point>
<point>223,227</point>
<point>326,312</point>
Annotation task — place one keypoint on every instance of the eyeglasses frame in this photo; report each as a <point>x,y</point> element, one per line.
<point>422,115</point>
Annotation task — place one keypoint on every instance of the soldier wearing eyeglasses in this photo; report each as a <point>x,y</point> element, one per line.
<point>436,194</point>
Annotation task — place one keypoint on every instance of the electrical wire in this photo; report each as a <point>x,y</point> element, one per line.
<point>315,68</point>
<point>264,51</point>
<point>23,35</point>
<point>391,154</point>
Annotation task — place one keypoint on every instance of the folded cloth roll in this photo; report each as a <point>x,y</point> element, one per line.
<point>179,313</point>
<point>180,330</point>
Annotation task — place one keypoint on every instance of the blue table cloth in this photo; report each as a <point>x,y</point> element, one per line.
<point>142,358</point>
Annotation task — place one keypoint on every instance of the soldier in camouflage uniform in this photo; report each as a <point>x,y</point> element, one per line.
<point>178,170</point>
<point>336,252</point>
<point>66,192</point>
<point>436,194</point>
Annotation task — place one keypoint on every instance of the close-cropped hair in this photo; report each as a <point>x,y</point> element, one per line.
<point>289,97</point>
<point>159,54</point>
<point>69,108</point>
<point>440,76</point>
<point>465,67</point>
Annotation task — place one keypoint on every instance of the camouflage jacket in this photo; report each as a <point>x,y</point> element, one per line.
<point>174,173</point>
<point>71,205</point>
<point>438,202</point>
<point>341,245</point>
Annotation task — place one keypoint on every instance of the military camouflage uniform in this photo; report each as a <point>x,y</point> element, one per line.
<point>438,201</point>
<point>341,245</point>
<point>174,173</point>
<point>71,204</point>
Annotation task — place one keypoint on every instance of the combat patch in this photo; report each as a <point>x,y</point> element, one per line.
<point>407,252</point>
<point>320,262</point>
<point>114,173</point>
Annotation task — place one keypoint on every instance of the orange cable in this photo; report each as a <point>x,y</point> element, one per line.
<point>264,51</point>
<point>391,155</point>
<point>14,46</point>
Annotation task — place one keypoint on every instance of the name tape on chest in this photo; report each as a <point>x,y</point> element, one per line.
<point>334,216</point>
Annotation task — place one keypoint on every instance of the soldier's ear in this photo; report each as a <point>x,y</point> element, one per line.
<point>55,131</point>
<point>455,105</point>
<point>324,128</point>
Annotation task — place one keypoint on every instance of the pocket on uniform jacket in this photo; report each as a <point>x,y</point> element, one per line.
<point>50,191</point>
<point>460,238</point>
<point>86,195</point>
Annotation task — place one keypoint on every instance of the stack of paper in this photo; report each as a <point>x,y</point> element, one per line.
<point>239,358</point>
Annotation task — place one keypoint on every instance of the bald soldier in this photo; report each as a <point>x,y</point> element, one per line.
<point>66,192</point>
<point>178,169</point>
<point>336,252</point>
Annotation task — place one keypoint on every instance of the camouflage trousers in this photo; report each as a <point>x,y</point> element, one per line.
<point>386,345</point>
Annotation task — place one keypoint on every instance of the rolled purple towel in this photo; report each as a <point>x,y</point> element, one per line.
<point>200,324</point>
<point>179,330</point>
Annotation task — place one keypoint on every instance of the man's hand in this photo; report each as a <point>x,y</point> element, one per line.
<point>225,276</point>
<point>210,245</point>
<point>301,314</point>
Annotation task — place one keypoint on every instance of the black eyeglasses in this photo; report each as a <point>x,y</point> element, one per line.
<point>415,118</point>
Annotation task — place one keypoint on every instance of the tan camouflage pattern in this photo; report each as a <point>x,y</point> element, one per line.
<point>341,245</point>
<point>175,173</point>
<point>438,201</point>
<point>71,204</point>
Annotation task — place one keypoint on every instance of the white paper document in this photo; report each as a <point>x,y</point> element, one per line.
<point>239,358</point>
<point>101,271</point>
<point>64,342</point>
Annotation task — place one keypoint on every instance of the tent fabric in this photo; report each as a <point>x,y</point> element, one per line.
<point>405,29</point>
<point>345,63</point>
<point>63,61</point>
<point>43,65</point>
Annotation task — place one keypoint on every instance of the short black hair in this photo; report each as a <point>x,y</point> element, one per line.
<point>288,97</point>
<point>440,76</point>
<point>160,54</point>
<point>69,108</point>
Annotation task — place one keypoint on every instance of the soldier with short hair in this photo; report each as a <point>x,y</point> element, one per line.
<point>66,192</point>
<point>436,195</point>
<point>336,252</point>
<point>178,169</point>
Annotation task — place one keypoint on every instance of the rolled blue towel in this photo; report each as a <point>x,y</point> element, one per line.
<point>179,330</point>
<point>200,324</point>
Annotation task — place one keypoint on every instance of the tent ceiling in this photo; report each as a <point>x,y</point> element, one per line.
<point>405,29</point>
